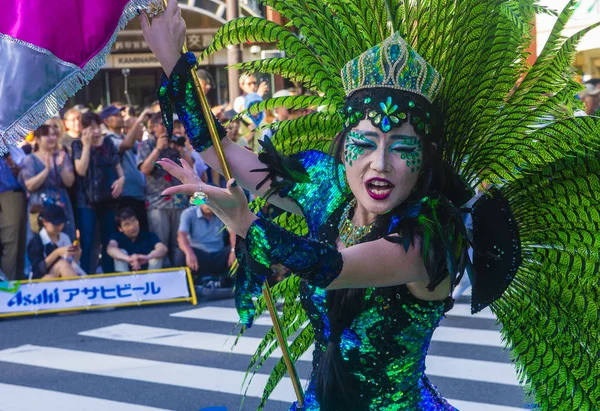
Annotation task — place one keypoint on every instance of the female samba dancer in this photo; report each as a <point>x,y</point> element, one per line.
<point>373,232</point>
<point>375,302</point>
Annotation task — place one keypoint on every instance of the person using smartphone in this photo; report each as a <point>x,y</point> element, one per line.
<point>51,252</point>
<point>249,85</point>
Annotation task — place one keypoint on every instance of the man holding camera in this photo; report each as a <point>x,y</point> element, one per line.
<point>163,211</point>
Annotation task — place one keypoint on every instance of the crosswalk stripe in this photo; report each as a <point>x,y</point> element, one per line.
<point>229,314</point>
<point>222,314</point>
<point>194,340</point>
<point>19,398</point>
<point>467,336</point>
<point>464,310</point>
<point>472,370</point>
<point>475,370</point>
<point>477,406</point>
<point>443,333</point>
<point>181,375</point>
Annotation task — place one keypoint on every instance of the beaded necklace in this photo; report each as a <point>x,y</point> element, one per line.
<point>349,233</point>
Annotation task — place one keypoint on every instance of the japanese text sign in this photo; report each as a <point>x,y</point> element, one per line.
<point>36,297</point>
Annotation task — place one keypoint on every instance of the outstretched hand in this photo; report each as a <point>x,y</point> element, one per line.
<point>229,204</point>
<point>184,173</point>
<point>165,35</point>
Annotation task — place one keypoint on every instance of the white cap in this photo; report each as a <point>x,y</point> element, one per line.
<point>282,93</point>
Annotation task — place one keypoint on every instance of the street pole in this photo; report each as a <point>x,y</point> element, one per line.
<point>126,72</point>
<point>234,53</point>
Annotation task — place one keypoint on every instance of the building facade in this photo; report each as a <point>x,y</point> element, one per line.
<point>131,73</point>
<point>587,12</point>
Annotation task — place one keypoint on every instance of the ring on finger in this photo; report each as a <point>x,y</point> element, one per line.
<point>199,197</point>
<point>155,9</point>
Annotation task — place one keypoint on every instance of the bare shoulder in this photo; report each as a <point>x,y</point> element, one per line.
<point>420,291</point>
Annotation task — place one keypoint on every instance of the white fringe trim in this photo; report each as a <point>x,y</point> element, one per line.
<point>53,101</point>
<point>38,50</point>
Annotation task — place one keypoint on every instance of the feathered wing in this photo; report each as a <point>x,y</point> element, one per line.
<point>521,136</point>
<point>549,313</point>
<point>546,163</point>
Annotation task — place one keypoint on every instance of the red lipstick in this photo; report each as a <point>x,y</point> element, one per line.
<point>379,188</point>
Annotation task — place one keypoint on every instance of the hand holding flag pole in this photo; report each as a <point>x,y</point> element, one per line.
<point>281,338</point>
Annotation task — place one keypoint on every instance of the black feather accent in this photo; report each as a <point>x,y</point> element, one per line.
<point>455,189</point>
<point>407,240</point>
<point>497,249</point>
<point>283,171</point>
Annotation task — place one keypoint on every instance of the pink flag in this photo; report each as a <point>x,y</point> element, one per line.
<point>49,49</point>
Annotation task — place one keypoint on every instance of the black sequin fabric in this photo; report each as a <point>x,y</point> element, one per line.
<point>315,261</point>
<point>182,94</point>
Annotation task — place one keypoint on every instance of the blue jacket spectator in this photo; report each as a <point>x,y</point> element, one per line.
<point>201,238</point>
<point>134,191</point>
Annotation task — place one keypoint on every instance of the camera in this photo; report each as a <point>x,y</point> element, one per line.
<point>178,140</point>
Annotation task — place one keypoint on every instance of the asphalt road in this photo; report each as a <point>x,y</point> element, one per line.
<point>179,357</point>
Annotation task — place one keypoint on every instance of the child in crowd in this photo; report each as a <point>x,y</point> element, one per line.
<point>51,252</point>
<point>132,249</point>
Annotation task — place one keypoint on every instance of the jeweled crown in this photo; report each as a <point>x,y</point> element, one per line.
<point>392,64</point>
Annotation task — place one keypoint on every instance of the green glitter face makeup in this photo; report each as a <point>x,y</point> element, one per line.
<point>381,168</point>
<point>410,150</point>
<point>355,146</point>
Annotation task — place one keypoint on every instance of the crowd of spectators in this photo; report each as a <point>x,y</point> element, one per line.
<point>83,193</point>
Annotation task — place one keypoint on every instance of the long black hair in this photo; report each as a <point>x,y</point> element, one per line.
<point>336,388</point>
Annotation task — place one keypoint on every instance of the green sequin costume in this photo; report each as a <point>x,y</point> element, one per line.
<point>535,235</point>
<point>386,344</point>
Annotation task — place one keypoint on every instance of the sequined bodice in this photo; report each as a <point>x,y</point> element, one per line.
<point>384,348</point>
<point>385,345</point>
